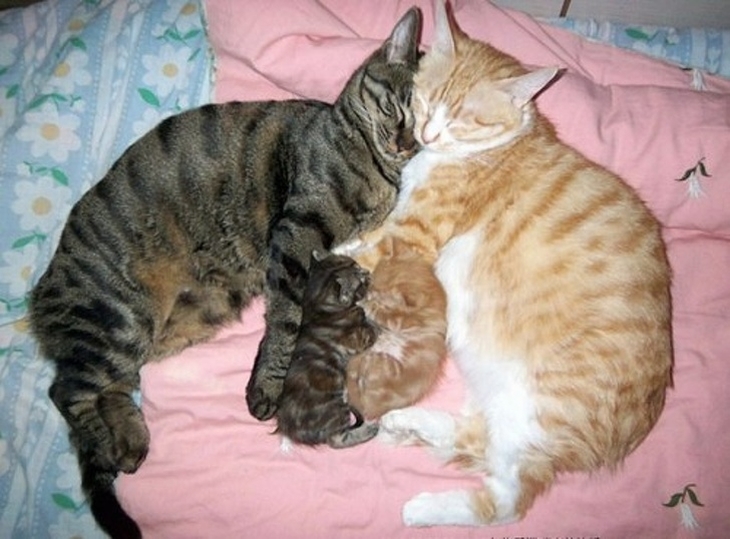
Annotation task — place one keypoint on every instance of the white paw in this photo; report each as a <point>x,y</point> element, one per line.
<point>451,508</point>
<point>411,425</point>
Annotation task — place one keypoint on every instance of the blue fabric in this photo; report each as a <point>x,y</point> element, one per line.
<point>705,49</point>
<point>79,82</point>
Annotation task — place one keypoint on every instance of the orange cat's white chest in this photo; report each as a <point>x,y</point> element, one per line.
<point>414,175</point>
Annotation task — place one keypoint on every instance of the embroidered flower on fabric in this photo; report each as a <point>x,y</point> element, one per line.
<point>692,176</point>
<point>166,71</point>
<point>50,132</point>
<point>71,72</point>
<point>17,270</point>
<point>181,21</point>
<point>41,203</point>
<point>683,500</point>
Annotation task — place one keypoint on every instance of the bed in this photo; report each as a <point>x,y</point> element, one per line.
<point>79,81</point>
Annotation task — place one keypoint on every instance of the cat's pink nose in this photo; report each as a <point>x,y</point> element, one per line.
<point>429,133</point>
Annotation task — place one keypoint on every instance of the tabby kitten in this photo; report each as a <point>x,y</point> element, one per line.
<point>557,283</point>
<point>408,304</point>
<point>313,408</point>
<point>209,209</point>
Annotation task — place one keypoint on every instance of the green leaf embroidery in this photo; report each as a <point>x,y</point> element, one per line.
<point>12,91</point>
<point>172,34</point>
<point>40,100</point>
<point>64,502</point>
<point>59,176</point>
<point>149,97</point>
<point>635,33</point>
<point>22,242</point>
<point>693,497</point>
<point>703,170</point>
<point>191,34</point>
<point>674,500</point>
<point>78,43</point>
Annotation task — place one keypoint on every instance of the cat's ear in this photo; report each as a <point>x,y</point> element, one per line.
<point>525,87</point>
<point>444,29</point>
<point>402,45</point>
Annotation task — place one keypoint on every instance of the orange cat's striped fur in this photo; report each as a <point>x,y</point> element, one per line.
<point>557,283</point>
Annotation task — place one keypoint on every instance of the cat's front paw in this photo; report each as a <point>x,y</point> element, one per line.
<point>262,401</point>
<point>418,425</point>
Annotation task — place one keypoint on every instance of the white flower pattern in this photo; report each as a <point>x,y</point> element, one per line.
<point>166,71</point>
<point>18,268</point>
<point>41,203</point>
<point>51,133</point>
<point>71,72</point>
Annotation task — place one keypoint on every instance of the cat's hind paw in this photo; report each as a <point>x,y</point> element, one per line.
<point>450,508</point>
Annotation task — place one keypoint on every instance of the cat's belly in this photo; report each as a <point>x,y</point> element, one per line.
<point>499,385</point>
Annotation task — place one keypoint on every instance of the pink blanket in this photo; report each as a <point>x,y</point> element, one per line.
<point>214,471</point>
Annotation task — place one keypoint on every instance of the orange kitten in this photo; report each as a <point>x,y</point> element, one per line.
<point>557,283</point>
<point>408,304</point>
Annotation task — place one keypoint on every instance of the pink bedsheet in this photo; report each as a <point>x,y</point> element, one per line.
<point>214,471</point>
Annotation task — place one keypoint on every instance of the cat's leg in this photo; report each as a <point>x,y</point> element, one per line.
<point>105,422</point>
<point>415,425</point>
<point>126,424</point>
<point>505,497</point>
<point>291,247</point>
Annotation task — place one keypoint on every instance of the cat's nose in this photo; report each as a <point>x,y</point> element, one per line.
<point>429,133</point>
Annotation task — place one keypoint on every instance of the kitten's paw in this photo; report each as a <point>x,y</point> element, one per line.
<point>451,508</point>
<point>418,425</point>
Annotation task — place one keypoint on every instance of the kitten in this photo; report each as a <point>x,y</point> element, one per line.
<point>408,304</point>
<point>313,408</point>
<point>558,286</point>
<point>212,207</point>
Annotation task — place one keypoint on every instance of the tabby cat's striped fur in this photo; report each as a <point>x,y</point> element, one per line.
<point>557,281</point>
<point>210,208</point>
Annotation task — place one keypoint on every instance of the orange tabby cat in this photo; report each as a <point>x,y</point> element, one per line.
<point>557,283</point>
<point>408,304</point>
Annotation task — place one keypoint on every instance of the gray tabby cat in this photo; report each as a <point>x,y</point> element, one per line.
<point>209,209</point>
<point>313,408</point>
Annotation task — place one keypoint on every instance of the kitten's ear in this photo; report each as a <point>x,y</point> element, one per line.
<point>525,87</point>
<point>444,29</point>
<point>402,45</point>
<point>347,290</point>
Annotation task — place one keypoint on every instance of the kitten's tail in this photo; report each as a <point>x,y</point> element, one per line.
<point>99,487</point>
